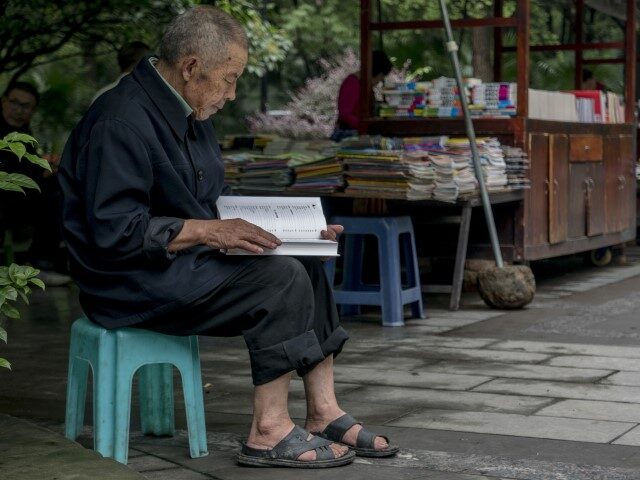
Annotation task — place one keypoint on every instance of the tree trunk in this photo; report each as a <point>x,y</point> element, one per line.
<point>482,41</point>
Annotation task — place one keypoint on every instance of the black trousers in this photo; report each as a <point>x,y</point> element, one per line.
<point>282,306</point>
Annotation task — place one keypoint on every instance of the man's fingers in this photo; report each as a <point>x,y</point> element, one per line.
<point>257,239</point>
<point>328,235</point>
<point>249,247</point>
<point>336,228</point>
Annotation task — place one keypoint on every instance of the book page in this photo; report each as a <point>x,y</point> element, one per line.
<point>285,217</point>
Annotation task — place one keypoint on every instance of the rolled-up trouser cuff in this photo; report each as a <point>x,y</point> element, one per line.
<point>299,353</point>
<point>331,346</point>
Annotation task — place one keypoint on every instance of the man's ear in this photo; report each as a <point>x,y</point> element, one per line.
<point>190,67</point>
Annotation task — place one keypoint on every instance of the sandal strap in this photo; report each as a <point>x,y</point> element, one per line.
<point>294,445</point>
<point>367,439</point>
<point>336,429</point>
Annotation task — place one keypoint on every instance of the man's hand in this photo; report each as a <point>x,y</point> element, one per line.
<point>332,232</point>
<point>224,234</point>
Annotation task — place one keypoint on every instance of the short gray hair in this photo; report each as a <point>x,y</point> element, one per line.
<point>205,31</point>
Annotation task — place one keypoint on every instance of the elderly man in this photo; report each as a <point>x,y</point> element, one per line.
<point>141,174</point>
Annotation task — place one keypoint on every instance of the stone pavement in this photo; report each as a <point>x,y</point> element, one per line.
<point>550,392</point>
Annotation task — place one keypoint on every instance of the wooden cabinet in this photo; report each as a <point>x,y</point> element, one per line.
<point>537,197</point>
<point>558,188</point>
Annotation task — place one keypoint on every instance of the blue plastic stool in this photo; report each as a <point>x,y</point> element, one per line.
<point>391,295</point>
<point>114,357</point>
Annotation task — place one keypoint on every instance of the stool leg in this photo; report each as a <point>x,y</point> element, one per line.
<point>390,281</point>
<point>124,380</point>
<point>194,402</point>
<point>156,399</point>
<point>413,273</point>
<point>352,270</point>
<point>104,421</point>
<point>76,397</point>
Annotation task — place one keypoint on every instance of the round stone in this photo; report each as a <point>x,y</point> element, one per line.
<point>507,288</point>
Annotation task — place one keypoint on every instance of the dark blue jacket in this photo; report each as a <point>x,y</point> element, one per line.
<point>132,170</point>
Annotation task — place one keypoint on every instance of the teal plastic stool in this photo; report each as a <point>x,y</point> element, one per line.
<point>114,357</point>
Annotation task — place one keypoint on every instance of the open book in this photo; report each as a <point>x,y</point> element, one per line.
<point>297,221</point>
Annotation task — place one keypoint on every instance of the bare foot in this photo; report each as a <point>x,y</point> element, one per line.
<point>266,437</point>
<point>319,423</point>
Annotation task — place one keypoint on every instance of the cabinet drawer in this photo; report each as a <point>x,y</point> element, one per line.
<point>585,148</point>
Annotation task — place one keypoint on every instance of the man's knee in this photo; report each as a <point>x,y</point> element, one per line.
<point>285,272</point>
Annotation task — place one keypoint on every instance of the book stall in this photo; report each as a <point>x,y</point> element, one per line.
<point>579,145</point>
<point>560,166</point>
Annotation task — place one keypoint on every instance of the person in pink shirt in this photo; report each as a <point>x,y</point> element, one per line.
<point>349,96</point>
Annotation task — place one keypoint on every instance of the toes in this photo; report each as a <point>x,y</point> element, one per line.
<point>308,456</point>
<point>380,443</point>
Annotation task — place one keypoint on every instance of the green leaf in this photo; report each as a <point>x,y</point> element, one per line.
<point>10,311</point>
<point>3,335</point>
<point>23,296</point>
<point>20,137</point>
<point>18,148</point>
<point>5,364</point>
<point>38,161</point>
<point>37,282</point>
<point>9,292</point>
<point>22,180</point>
<point>10,186</point>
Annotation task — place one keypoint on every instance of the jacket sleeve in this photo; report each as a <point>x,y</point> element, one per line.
<point>119,178</point>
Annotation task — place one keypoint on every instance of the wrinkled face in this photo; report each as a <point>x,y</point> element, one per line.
<point>18,107</point>
<point>206,91</point>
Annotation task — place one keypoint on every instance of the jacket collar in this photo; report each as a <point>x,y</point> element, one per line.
<point>163,98</point>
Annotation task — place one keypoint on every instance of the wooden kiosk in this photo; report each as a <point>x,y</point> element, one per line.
<point>583,187</point>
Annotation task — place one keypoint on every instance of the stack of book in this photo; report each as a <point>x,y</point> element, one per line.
<point>233,165</point>
<point>517,167</point>
<point>393,173</point>
<point>491,158</point>
<point>454,176</point>
<point>317,174</point>
<point>494,99</point>
<point>268,173</point>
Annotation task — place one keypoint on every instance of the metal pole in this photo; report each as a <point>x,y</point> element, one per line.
<point>452,47</point>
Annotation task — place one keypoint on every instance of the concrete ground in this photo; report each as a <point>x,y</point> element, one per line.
<point>550,392</point>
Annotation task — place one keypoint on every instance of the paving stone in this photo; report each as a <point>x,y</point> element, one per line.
<point>623,378</point>
<point>448,341</point>
<point>407,379</point>
<point>588,361</point>
<point>451,322</point>
<point>427,398</point>
<point>374,362</point>
<point>595,410</point>
<point>465,314</point>
<point>149,462</point>
<point>569,348</point>
<point>516,425</point>
<point>31,452</point>
<point>420,329</point>
<point>632,437</point>
<point>538,372</point>
<point>577,391</point>
<point>175,474</point>
<point>451,353</point>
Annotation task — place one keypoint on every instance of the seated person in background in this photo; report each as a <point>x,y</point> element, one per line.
<point>589,82</point>
<point>140,175</point>
<point>128,57</point>
<point>39,211</point>
<point>349,96</point>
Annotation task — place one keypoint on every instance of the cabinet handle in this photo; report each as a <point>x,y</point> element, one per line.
<point>555,186</point>
<point>546,186</point>
<point>622,182</point>
<point>587,147</point>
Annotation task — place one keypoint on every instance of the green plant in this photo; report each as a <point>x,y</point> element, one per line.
<point>16,280</point>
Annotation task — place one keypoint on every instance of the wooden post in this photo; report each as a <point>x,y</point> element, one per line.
<point>523,11</point>
<point>365,65</point>
<point>630,64</point>
<point>497,42</point>
<point>580,41</point>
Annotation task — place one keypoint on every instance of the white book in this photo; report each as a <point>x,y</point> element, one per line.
<point>296,221</point>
